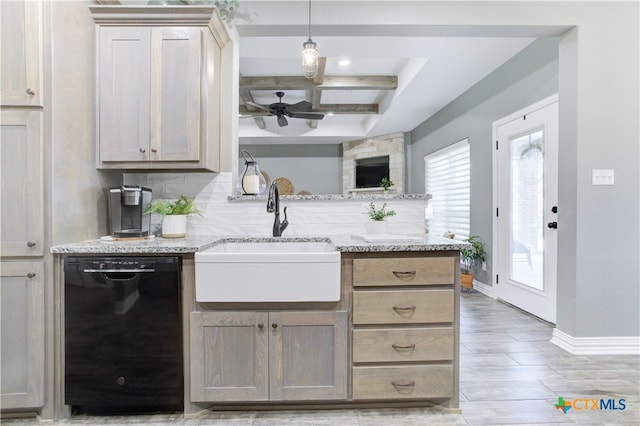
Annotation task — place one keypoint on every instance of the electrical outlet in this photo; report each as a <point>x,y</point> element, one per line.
<point>602,177</point>
<point>484,266</point>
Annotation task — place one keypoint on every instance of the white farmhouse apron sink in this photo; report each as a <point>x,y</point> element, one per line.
<point>268,271</point>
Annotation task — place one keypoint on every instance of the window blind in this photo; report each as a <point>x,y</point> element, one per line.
<point>448,180</point>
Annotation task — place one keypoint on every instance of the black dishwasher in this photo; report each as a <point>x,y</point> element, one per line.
<point>123,334</point>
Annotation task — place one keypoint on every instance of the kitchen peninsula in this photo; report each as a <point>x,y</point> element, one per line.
<point>391,340</point>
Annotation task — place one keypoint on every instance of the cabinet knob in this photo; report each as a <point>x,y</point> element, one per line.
<point>31,275</point>
<point>31,244</point>
<point>154,150</point>
<point>274,325</point>
<point>30,92</point>
<point>260,325</point>
<point>552,225</point>
<point>121,381</point>
<point>142,150</point>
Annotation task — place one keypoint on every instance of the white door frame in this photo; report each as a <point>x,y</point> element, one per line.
<point>495,125</point>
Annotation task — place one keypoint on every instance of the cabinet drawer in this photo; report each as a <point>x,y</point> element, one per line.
<point>404,382</point>
<point>403,344</point>
<point>403,271</point>
<point>402,307</point>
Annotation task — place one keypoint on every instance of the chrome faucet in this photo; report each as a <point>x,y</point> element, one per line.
<point>273,206</point>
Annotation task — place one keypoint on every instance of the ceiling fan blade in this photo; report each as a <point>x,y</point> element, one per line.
<point>282,121</point>
<point>300,106</point>
<point>262,107</point>
<point>307,115</point>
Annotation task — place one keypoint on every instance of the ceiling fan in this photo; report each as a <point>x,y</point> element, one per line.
<point>283,110</point>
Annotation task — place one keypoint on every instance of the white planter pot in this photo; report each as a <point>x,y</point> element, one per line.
<point>174,226</point>
<point>376,227</point>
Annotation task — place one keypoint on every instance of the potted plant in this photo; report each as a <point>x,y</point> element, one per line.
<point>174,215</point>
<point>470,256</point>
<point>377,225</point>
<point>386,183</point>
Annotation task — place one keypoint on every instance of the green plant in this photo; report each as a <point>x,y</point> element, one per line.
<point>381,213</point>
<point>184,205</point>
<point>386,183</point>
<point>227,8</point>
<point>473,254</point>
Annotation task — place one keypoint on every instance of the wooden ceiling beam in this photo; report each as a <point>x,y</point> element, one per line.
<point>375,82</point>
<point>245,96</point>
<point>324,109</point>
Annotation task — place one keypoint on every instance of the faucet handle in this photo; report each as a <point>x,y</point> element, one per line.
<point>285,222</point>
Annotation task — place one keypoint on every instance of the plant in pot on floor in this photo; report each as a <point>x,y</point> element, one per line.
<point>377,224</point>
<point>174,215</point>
<point>471,256</point>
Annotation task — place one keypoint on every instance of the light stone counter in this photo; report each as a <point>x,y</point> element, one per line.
<point>193,244</point>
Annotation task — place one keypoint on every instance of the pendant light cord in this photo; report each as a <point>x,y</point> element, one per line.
<point>309,19</point>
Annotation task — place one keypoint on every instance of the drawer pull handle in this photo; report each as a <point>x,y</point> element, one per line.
<point>404,274</point>
<point>403,347</point>
<point>399,309</point>
<point>408,384</point>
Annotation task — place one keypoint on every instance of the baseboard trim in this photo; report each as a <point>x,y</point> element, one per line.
<point>596,345</point>
<point>487,290</point>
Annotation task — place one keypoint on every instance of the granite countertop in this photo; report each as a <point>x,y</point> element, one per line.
<point>193,244</point>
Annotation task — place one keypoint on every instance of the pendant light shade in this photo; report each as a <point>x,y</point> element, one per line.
<point>310,54</point>
<point>309,59</point>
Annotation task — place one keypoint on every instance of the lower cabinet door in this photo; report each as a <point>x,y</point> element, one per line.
<point>229,356</point>
<point>308,355</point>
<point>22,334</point>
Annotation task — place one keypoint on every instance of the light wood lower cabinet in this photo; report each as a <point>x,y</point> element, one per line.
<point>405,325</point>
<point>403,382</point>
<point>268,356</point>
<point>22,337</point>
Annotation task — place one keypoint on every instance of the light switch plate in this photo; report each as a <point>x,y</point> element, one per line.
<point>602,177</point>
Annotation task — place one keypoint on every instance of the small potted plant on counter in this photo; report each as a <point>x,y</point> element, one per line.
<point>471,256</point>
<point>377,224</point>
<point>174,215</point>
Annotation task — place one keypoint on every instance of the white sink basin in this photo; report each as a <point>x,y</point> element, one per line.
<point>267,271</point>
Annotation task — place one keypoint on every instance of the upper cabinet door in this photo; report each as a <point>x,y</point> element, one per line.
<point>124,85</point>
<point>21,53</point>
<point>22,187</point>
<point>175,93</point>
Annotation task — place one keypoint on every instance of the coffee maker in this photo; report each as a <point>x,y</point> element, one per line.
<point>127,205</point>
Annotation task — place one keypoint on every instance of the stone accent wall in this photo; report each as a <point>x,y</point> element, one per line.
<point>391,145</point>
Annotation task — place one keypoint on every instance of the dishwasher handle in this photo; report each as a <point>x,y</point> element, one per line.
<point>120,270</point>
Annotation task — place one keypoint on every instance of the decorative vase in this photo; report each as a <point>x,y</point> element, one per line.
<point>174,226</point>
<point>377,227</point>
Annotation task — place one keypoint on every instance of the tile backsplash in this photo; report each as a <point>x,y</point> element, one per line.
<point>306,217</point>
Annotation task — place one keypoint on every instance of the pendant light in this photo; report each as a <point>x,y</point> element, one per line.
<point>309,54</point>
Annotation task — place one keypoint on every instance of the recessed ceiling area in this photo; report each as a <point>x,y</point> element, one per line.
<point>429,72</point>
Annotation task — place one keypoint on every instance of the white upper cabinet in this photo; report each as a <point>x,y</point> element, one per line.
<point>158,88</point>
<point>21,46</point>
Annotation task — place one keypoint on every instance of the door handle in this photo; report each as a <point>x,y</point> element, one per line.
<point>553,225</point>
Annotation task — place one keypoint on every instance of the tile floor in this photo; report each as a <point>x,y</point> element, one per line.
<point>510,374</point>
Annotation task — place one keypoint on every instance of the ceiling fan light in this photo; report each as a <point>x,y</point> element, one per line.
<point>310,56</point>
